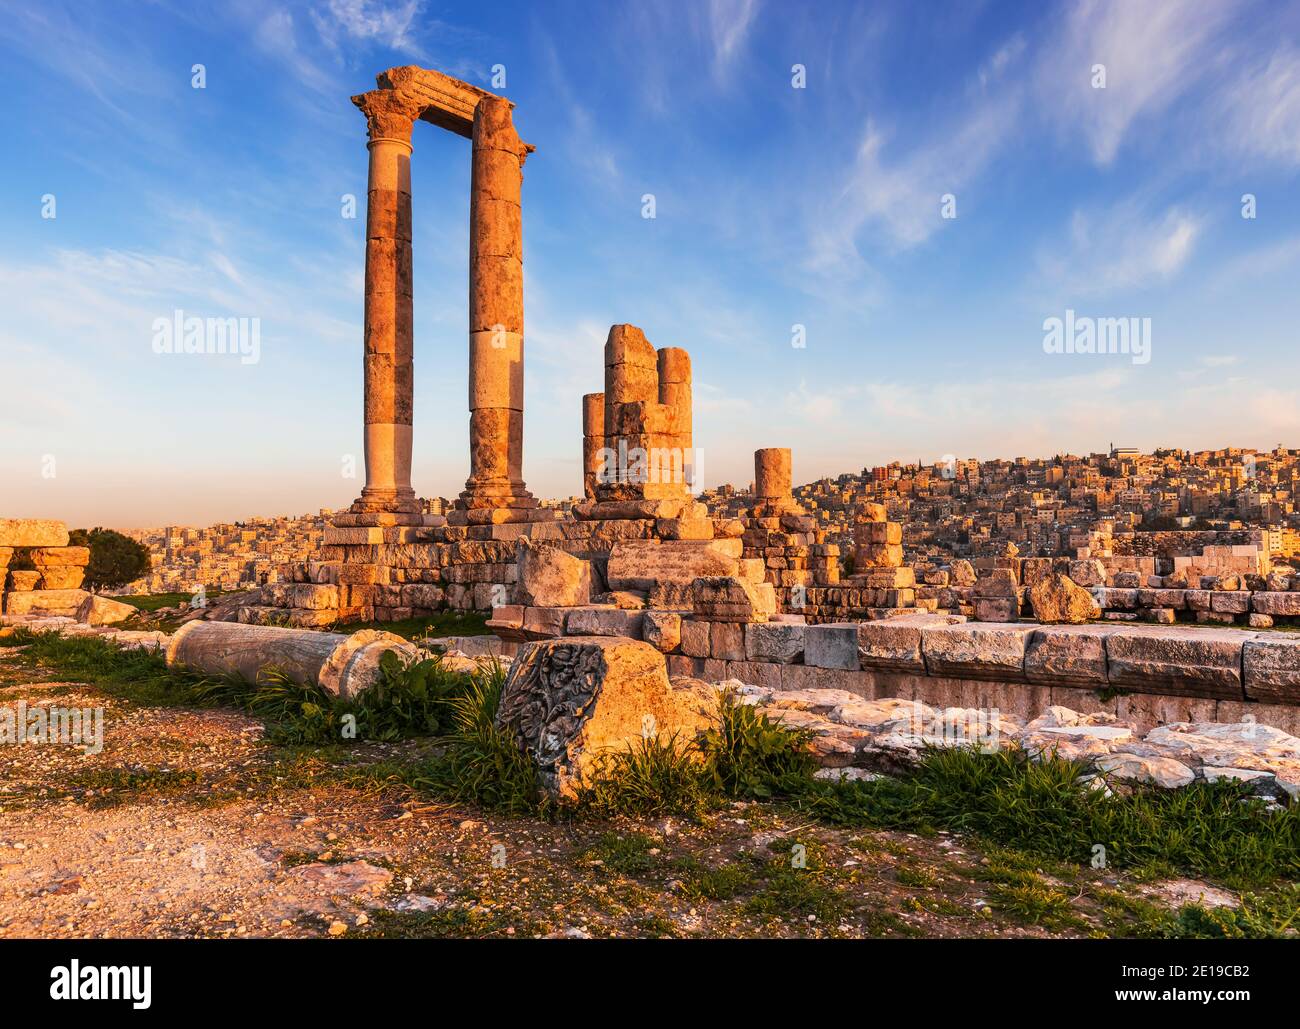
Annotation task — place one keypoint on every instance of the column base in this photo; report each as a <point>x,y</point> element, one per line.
<point>501,515</point>
<point>513,495</point>
<point>397,500</point>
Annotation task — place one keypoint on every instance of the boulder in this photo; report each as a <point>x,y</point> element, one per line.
<point>97,610</point>
<point>550,577</point>
<point>1088,573</point>
<point>962,573</point>
<point>567,702</point>
<point>1056,598</point>
<point>999,583</point>
<point>1159,771</point>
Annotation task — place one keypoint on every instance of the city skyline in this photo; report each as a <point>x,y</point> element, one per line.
<point>780,202</point>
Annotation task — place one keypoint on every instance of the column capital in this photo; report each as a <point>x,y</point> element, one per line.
<point>389,114</point>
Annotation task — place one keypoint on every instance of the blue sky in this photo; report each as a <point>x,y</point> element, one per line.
<point>776,206</point>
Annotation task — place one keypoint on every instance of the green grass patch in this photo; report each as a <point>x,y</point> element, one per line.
<point>155,601</point>
<point>625,853</point>
<point>481,764</point>
<point>798,884</point>
<point>1270,914</point>
<point>1041,808</point>
<point>725,882</point>
<point>140,676</point>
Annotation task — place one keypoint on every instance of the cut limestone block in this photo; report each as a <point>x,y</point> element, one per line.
<point>893,644</point>
<point>311,596</point>
<point>662,630</point>
<point>62,577</point>
<point>640,564</point>
<point>1181,661</point>
<point>832,645</point>
<point>59,557</point>
<point>778,642</point>
<point>1068,655</point>
<point>729,599</point>
<point>1272,603</point>
<point>550,577</point>
<point>1271,665</point>
<point>976,650</point>
<point>32,532</point>
<point>568,703</point>
<point>695,638</point>
<point>341,664</point>
<point>25,580</point>
<point>603,621</point>
<point>727,641</point>
<point>44,602</point>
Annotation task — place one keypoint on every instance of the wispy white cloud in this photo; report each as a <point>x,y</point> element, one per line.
<point>1152,53</point>
<point>1119,248</point>
<point>1260,111</point>
<point>896,197</point>
<point>730,22</point>
<point>341,21</point>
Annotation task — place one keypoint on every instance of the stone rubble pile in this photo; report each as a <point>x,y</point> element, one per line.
<point>891,735</point>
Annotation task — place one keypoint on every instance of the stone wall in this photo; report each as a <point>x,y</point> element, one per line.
<point>53,585</point>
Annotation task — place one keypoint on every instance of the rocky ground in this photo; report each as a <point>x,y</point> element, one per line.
<point>189,823</point>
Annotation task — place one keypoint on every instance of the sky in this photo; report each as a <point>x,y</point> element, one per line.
<point>866,216</point>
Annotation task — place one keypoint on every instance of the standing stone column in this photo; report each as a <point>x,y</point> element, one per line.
<point>675,395</point>
<point>388,306</point>
<point>496,313</point>
<point>593,441</point>
<point>773,474</point>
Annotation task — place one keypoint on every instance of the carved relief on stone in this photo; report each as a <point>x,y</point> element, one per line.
<point>550,693</point>
<point>389,114</point>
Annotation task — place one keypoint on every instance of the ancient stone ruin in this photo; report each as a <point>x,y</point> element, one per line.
<point>625,607</point>
<point>52,587</point>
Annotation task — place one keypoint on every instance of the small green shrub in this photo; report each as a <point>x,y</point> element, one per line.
<point>751,756</point>
<point>480,763</point>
